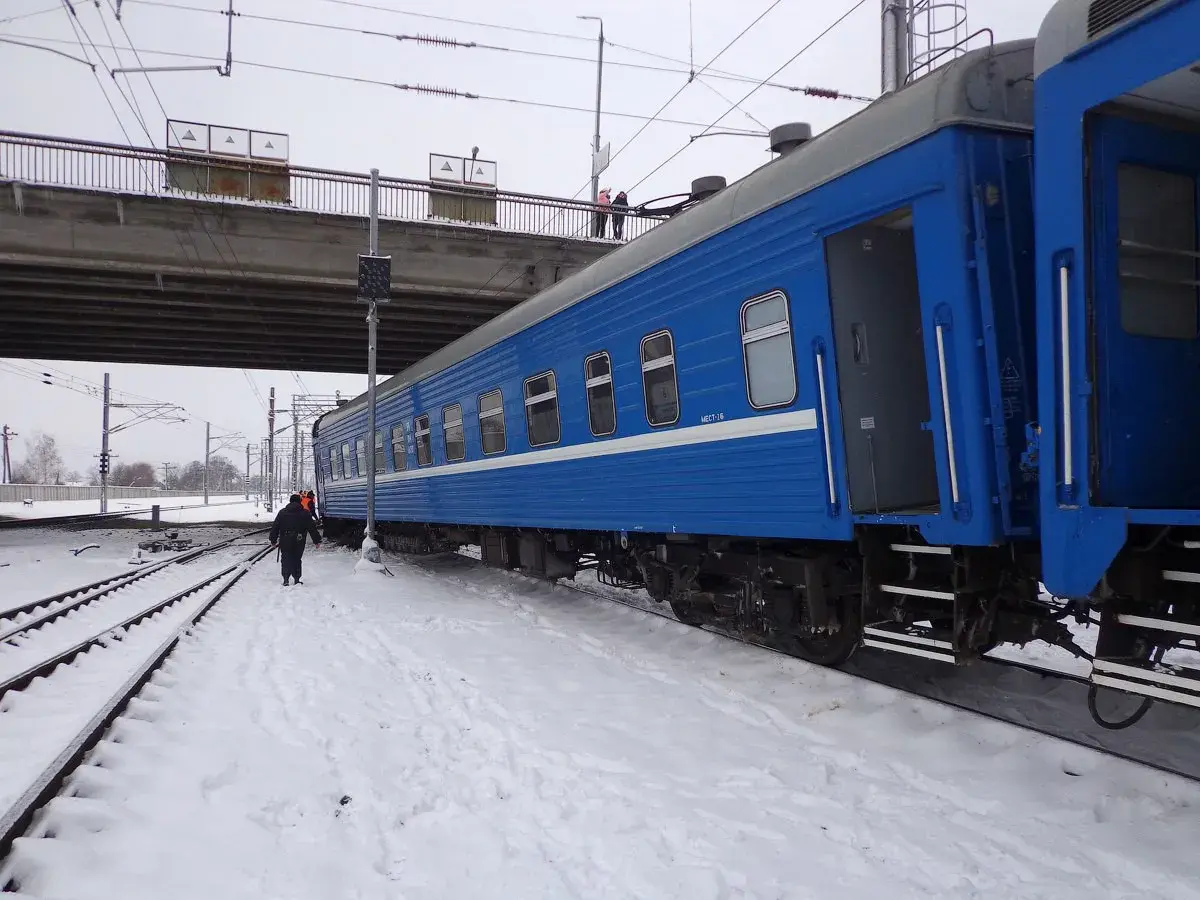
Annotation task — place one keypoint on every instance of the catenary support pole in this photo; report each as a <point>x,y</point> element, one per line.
<point>207,451</point>
<point>372,333</point>
<point>599,86</point>
<point>104,449</point>
<point>271,453</point>
<point>295,446</point>
<point>247,484</point>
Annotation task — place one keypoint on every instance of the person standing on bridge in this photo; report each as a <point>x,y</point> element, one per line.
<point>619,206</point>
<point>289,533</point>
<point>603,204</point>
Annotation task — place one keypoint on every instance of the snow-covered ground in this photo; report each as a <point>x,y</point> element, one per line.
<point>38,562</point>
<point>454,732</point>
<point>220,509</point>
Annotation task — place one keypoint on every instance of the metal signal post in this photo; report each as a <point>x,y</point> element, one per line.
<point>374,287</point>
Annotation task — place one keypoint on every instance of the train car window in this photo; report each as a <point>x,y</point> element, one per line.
<point>767,351</point>
<point>452,433</point>
<point>424,444</point>
<point>360,448</point>
<point>380,455</point>
<point>491,422</point>
<point>335,464</point>
<point>602,405</point>
<point>399,454</point>
<point>658,379</point>
<point>347,466</point>
<point>1156,213</point>
<point>541,410</point>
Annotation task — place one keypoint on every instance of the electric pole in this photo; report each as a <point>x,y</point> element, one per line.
<point>295,444</point>
<point>104,448</point>
<point>6,471</point>
<point>596,167</point>
<point>271,453</point>
<point>247,484</point>
<point>207,446</point>
<point>374,287</point>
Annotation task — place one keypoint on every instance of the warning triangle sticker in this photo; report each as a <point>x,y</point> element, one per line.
<point>270,146</point>
<point>479,171</point>
<point>229,140</point>
<point>446,167</point>
<point>188,136</point>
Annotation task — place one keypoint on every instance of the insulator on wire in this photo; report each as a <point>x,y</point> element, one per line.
<point>827,93</point>
<point>434,40</point>
<point>435,91</point>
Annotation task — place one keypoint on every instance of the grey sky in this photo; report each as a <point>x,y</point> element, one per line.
<point>344,125</point>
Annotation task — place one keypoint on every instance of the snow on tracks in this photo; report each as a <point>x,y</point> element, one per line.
<point>47,727</point>
<point>461,734</point>
<point>26,648</point>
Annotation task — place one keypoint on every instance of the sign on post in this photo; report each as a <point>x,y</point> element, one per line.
<point>374,278</point>
<point>228,162</point>
<point>464,190</point>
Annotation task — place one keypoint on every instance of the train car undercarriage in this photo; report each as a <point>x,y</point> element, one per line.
<point>814,600</point>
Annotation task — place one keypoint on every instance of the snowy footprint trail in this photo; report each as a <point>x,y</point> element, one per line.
<point>464,734</point>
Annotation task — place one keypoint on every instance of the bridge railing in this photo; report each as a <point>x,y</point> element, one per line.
<point>65,162</point>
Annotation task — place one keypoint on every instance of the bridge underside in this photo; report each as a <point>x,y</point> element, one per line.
<point>101,277</point>
<point>53,312</point>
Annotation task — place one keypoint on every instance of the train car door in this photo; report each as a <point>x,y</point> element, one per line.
<point>1146,342</point>
<point>875,302</point>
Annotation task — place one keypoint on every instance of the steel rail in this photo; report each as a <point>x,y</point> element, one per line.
<point>21,815</point>
<point>107,587</point>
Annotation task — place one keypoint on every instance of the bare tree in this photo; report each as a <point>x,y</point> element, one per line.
<point>135,474</point>
<point>43,463</point>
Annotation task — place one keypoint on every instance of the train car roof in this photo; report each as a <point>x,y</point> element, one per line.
<point>1071,24</point>
<point>990,87</point>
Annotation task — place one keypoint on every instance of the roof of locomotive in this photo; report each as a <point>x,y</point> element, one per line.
<point>1070,24</point>
<point>990,87</point>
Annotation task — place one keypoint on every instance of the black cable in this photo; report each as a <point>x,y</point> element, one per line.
<point>1136,716</point>
<point>635,136</point>
<point>452,43</point>
<point>408,88</point>
<point>755,89</point>
<point>29,15</point>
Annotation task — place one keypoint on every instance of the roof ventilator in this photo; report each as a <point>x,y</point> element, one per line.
<point>1104,14</point>
<point>790,136</point>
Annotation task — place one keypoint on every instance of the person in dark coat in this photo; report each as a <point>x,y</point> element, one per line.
<point>291,529</point>
<point>619,206</point>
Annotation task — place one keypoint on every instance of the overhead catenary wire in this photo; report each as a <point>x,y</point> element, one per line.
<point>425,89</point>
<point>140,116</point>
<point>853,8</point>
<point>636,134</point>
<point>454,43</point>
<point>29,15</point>
<point>81,33</point>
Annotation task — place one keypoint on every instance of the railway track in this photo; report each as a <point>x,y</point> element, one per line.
<point>85,518</point>
<point>60,708</point>
<point>24,616</point>
<point>1041,700</point>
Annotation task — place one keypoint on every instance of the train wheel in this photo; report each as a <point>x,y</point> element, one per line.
<point>831,649</point>
<point>687,612</point>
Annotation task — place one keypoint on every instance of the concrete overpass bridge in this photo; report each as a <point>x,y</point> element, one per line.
<point>102,259</point>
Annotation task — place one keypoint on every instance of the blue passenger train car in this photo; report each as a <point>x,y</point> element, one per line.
<point>840,342</point>
<point>1118,125</point>
<point>878,391</point>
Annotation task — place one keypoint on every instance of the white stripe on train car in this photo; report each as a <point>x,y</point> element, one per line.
<point>730,429</point>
